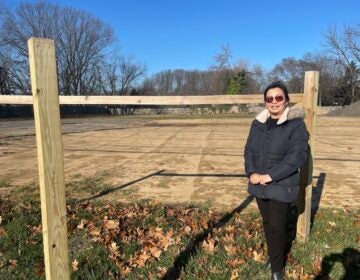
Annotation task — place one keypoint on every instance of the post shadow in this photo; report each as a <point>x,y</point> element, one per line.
<point>316,196</point>
<point>201,175</point>
<point>158,173</point>
<point>191,249</point>
<point>292,219</point>
<point>349,258</point>
<point>107,191</point>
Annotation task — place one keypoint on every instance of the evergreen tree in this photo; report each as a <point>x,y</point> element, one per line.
<point>236,83</point>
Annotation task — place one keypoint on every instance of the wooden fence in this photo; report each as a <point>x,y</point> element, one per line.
<point>45,99</point>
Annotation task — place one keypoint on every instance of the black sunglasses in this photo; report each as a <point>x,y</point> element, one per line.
<point>278,98</point>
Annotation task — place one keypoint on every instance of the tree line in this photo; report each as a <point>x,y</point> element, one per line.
<point>89,62</point>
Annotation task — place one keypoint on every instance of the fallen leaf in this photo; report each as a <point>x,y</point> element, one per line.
<point>228,238</point>
<point>39,269</point>
<point>235,262</point>
<point>209,245</point>
<point>93,230</point>
<point>82,224</point>
<point>37,229</point>
<point>230,249</point>
<point>235,274</point>
<point>332,224</point>
<point>2,231</point>
<point>316,265</point>
<point>114,249</point>
<point>140,260</point>
<point>31,242</point>
<point>229,228</point>
<point>357,223</point>
<point>161,271</point>
<point>187,229</point>
<point>155,252</point>
<point>213,269</point>
<point>12,263</point>
<point>125,270</point>
<point>75,264</point>
<point>247,234</point>
<point>110,224</point>
<point>257,256</point>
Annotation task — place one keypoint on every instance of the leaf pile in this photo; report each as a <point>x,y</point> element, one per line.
<point>148,240</point>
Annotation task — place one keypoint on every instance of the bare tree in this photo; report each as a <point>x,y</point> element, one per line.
<point>81,40</point>
<point>345,46</point>
<point>121,75</point>
<point>222,58</point>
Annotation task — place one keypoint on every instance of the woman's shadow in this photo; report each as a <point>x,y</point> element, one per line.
<point>349,258</point>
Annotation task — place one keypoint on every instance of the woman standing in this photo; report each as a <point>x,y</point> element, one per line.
<point>276,148</point>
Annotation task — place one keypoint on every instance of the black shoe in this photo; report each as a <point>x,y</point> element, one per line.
<point>277,275</point>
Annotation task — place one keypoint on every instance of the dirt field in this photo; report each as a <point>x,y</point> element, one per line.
<point>176,160</point>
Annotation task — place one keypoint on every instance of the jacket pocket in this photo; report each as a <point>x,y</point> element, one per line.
<point>281,193</point>
<point>292,180</point>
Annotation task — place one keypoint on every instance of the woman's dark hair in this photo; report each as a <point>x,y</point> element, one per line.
<point>280,85</point>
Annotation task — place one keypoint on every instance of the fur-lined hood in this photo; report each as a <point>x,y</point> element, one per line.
<point>289,114</point>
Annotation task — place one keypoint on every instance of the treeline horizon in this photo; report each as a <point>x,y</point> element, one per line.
<point>89,62</point>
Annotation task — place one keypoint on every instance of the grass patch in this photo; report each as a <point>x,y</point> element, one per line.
<point>149,240</point>
<point>4,183</point>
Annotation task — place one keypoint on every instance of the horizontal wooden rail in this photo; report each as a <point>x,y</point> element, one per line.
<point>150,100</point>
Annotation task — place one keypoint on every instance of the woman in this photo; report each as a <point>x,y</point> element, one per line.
<point>275,150</point>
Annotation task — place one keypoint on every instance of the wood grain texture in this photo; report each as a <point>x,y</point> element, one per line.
<point>50,156</point>
<point>151,100</point>
<point>311,87</point>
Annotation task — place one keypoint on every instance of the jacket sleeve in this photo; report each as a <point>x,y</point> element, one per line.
<point>296,155</point>
<point>248,154</point>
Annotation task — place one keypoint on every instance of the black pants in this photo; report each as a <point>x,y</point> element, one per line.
<point>274,215</point>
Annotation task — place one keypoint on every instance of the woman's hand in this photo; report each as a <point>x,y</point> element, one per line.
<point>255,178</point>
<point>265,179</point>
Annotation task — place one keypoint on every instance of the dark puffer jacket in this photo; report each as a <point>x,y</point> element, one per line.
<point>279,152</point>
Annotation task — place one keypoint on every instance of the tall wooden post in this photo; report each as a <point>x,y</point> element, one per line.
<point>311,86</point>
<point>50,156</point>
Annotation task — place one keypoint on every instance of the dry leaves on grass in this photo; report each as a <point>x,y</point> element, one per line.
<point>230,249</point>
<point>114,227</point>
<point>209,245</point>
<point>333,224</point>
<point>82,224</point>
<point>235,262</point>
<point>316,264</point>
<point>75,265</point>
<point>228,238</point>
<point>12,264</point>
<point>235,275</point>
<point>2,231</point>
<point>299,273</point>
<point>117,224</point>
<point>35,229</point>
<point>114,249</point>
<point>110,224</point>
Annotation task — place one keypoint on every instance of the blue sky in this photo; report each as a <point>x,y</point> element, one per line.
<point>186,34</point>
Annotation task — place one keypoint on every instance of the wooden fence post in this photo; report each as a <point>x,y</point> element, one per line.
<point>50,156</point>
<point>311,86</point>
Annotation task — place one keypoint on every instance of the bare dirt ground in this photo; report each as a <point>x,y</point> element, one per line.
<point>176,159</point>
